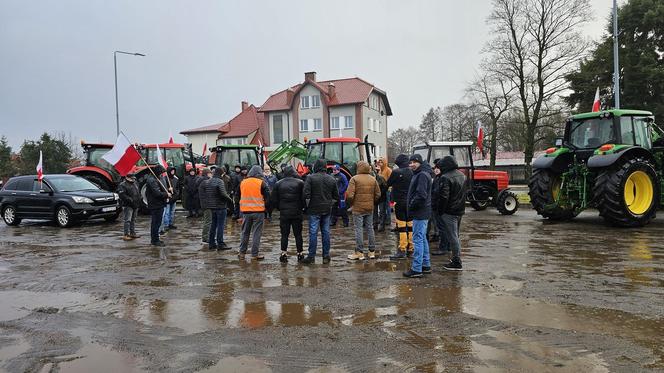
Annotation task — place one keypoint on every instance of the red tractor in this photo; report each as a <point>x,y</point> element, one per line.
<point>484,187</point>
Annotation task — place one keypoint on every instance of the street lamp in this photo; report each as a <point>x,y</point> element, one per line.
<point>115,66</point>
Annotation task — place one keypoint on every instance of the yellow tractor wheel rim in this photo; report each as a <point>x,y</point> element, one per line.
<point>638,193</point>
<point>556,183</point>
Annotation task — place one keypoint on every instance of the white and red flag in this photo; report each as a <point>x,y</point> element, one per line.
<point>260,146</point>
<point>480,137</point>
<point>170,138</point>
<point>40,169</point>
<point>204,150</point>
<point>596,103</point>
<point>160,159</point>
<point>123,156</point>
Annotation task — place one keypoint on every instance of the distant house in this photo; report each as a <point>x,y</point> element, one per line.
<point>332,108</point>
<point>247,127</point>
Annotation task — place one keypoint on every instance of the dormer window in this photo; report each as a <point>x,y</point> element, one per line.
<point>304,102</point>
<point>315,101</point>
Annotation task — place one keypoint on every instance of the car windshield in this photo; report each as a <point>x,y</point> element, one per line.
<point>591,133</point>
<point>71,184</point>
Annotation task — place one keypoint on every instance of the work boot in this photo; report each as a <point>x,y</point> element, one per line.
<point>223,246</point>
<point>412,274</point>
<point>283,257</point>
<point>172,227</point>
<point>326,260</point>
<point>372,254</point>
<point>127,238</point>
<point>300,257</point>
<point>134,236</point>
<point>213,247</point>
<point>158,243</point>
<point>453,265</point>
<point>356,256</point>
<point>400,255</point>
<point>257,257</point>
<point>426,270</point>
<point>308,260</point>
<point>241,256</point>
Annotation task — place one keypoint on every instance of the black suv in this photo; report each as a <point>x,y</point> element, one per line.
<point>64,199</point>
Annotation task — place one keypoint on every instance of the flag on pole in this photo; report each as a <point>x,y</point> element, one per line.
<point>480,137</point>
<point>596,103</point>
<point>170,138</point>
<point>260,146</point>
<point>123,156</point>
<point>204,150</point>
<point>40,170</point>
<point>160,158</point>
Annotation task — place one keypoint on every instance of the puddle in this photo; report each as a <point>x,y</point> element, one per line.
<point>94,358</point>
<point>239,364</point>
<point>19,303</point>
<point>17,347</point>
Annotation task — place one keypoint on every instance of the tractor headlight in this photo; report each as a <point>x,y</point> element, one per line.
<point>79,199</point>
<point>116,196</point>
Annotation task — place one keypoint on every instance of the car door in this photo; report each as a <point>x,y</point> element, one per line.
<point>22,197</point>
<point>41,199</point>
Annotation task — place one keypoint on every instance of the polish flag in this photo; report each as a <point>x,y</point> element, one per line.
<point>480,137</point>
<point>204,150</point>
<point>596,103</point>
<point>170,138</point>
<point>40,170</point>
<point>260,146</point>
<point>161,159</point>
<point>123,156</point>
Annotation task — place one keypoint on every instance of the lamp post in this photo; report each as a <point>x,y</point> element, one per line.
<point>115,66</point>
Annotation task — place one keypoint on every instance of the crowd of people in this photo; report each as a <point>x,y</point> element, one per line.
<point>424,197</point>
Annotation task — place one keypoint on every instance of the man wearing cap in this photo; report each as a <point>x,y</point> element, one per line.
<point>419,209</point>
<point>130,197</point>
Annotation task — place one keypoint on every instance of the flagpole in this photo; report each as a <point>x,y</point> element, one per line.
<point>146,163</point>
<point>616,63</point>
<point>167,178</point>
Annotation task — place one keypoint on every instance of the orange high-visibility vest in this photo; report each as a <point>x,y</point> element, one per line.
<point>251,198</point>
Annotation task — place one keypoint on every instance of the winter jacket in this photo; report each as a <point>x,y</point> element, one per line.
<point>450,184</point>
<point>382,184</point>
<point>320,190</point>
<point>200,193</point>
<point>271,181</point>
<point>215,194</point>
<point>190,186</point>
<point>175,183</point>
<point>399,181</point>
<point>419,193</point>
<point>287,194</point>
<point>129,194</point>
<point>385,170</point>
<point>155,192</point>
<point>363,190</point>
<point>342,185</point>
<point>255,173</point>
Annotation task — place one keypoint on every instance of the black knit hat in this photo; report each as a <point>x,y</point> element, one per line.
<point>415,158</point>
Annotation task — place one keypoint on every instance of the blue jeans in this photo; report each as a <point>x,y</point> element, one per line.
<point>217,227</point>
<point>322,222</point>
<point>421,254</point>
<point>169,215</point>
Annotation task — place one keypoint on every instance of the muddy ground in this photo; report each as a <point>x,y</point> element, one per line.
<point>534,296</point>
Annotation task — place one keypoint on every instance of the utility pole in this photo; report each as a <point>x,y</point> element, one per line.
<point>115,67</point>
<point>616,63</point>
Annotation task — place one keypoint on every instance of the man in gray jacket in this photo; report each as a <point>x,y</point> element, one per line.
<point>217,201</point>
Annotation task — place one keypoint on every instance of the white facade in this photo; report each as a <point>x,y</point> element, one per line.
<point>374,123</point>
<point>310,117</point>
<point>198,140</point>
<point>345,115</point>
<point>280,127</point>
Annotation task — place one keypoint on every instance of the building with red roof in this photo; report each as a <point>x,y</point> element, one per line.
<point>332,108</point>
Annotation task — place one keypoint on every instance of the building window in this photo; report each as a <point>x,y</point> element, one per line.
<point>370,124</point>
<point>304,125</point>
<point>304,102</point>
<point>348,122</point>
<point>377,125</point>
<point>335,123</point>
<point>315,101</point>
<point>278,129</point>
<point>318,124</point>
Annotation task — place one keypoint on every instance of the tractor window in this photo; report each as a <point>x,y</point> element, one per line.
<point>591,133</point>
<point>351,153</point>
<point>248,157</point>
<point>94,158</point>
<point>462,156</point>
<point>174,157</point>
<point>333,151</point>
<point>424,152</point>
<point>230,157</point>
<point>438,152</point>
<point>315,151</point>
<point>626,131</point>
<point>641,132</point>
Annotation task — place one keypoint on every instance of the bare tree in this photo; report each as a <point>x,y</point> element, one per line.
<point>537,43</point>
<point>431,127</point>
<point>493,95</point>
<point>459,122</point>
<point>401,141</point>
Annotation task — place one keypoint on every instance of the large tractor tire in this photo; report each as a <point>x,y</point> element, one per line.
<point>479,205</point>
<point>627,193</point>
<point>99,181</point>
<point>544,187</point>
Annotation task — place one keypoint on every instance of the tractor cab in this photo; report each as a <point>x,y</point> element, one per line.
<point>484,187</point>
<point>344,151</point>
<point>95,169</point>
<point>173,154</point>
<point>233,155</point>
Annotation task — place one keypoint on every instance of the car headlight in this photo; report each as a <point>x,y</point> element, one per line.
<point>79,199</point>
<point>116,196</point>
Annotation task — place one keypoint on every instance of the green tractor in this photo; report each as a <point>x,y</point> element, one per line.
<point>611,160</point>
<point>233,155</point>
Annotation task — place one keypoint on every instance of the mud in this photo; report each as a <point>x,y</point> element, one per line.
<point>533,296</point>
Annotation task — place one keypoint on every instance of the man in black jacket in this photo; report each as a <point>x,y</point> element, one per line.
<point>191,193</point>
<point>217,201</point>
<point>157,195</point>
<point>286,196</point>
<point>130,197</point>
<point>399,181</point>
<point>320,193</point>
<point>172,182</point>
<point>450,207</point>
<point>206,175</point>
<point>419,209</point>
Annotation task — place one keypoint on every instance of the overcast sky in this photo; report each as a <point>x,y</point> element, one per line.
<point>204,57</point>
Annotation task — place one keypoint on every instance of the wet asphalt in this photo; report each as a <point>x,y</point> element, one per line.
<point>534,296</point>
